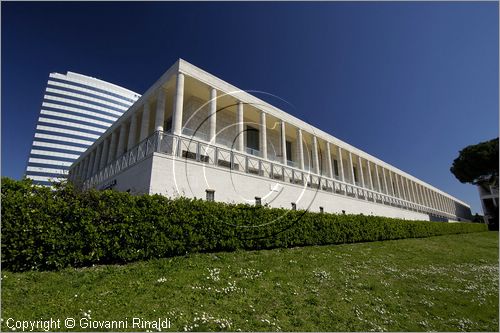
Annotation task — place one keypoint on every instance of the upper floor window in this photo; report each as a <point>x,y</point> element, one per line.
<point>252,138</point>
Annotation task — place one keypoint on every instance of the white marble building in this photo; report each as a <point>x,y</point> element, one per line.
<point>192,134</point>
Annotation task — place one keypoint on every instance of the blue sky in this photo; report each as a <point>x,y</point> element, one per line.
<point>410,83</point>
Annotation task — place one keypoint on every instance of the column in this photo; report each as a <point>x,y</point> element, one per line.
<point>91,163</point>
<point>83,170</point>
<point>97,159</point>
<point>212,114</point>
<point>329,160</point>
<point>403,188</point>
<point>410,190</point>
<point>422,194</point>
<point>300,149</point>
<point>392,184</point>
<point>160,109</point>
<point>178,105</point>
<point>379,188</point>
<point>397,189</point>
<point>80,171</point>
<point>85,167</point>
<point>419,195</point>
<point>104,155</point>
<point>121,141</point>
<point>360,167</point>
<point>398,186</point>
<point>263,135</point>
<point>434,198</point>
<point>131,132</point>
<point>112,147</point>
<point>415,190</point>
<point>144,122</point>
<point>241,131</point>
<point>353,181</point>
<point>283,142</point>
<point>426,197</point>
<point>76,172</point>
<point>368,165</point>
<point>429,199</point>
<point>341,164</point>
<point>316,168</point>
<point>385,181</point>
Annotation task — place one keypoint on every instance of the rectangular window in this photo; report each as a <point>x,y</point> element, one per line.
<point>288,150</point>
<point>258,201</point>
<point>355,171</point>
<point>210,195</point>
<point>336,167</point>
<point>252,138</point>
<point>167,125</point>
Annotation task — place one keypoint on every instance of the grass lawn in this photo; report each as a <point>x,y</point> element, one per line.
<point>444,283</point>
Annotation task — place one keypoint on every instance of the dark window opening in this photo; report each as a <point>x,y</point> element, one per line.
<point>210,195</point>
<point>288,150</point>
<point>294,206</point>
<point>252,138</point>
<point>336,167</point>
<point>167,125</point>
<point>258,201</point>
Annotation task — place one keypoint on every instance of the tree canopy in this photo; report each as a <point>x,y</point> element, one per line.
<point>477,163</point>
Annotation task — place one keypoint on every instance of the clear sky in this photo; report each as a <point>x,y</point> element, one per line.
<point>410,83</point>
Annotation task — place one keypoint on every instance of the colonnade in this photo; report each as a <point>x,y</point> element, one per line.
<point>341,163</point>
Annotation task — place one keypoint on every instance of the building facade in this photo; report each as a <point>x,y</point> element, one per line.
<point>192,134</point>
<point>488,194</point>
<point>76,110</point>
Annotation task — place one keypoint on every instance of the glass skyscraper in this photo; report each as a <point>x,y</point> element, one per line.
<point>76,110</point>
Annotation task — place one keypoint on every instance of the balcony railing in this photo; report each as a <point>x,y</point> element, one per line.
<point>246,162</point>
<point>252,151</point>
<point>195,134</point>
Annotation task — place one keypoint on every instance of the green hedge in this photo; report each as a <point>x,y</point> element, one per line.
<point>45,230</point>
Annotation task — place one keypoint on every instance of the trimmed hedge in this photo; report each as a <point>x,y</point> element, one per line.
<point>45,229</point>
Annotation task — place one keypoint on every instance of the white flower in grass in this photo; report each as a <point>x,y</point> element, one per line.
<point>214,274</point>
<point>321,275</point>
<point>161,280</point>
